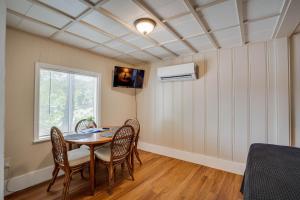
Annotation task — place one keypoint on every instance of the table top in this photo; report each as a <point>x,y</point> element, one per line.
<point>89,138</point>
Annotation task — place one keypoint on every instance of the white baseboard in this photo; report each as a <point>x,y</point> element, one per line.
<point>217,163</point>
<point>29,179</point>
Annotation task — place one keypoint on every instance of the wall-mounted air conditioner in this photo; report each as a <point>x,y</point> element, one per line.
<point>178,72</point>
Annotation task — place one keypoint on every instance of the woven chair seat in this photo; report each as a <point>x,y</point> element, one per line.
<point>96,147</point>
<point>78,156</point>
<point>103,153</point>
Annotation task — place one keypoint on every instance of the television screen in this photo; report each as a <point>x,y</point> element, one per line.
<point>128,77</point>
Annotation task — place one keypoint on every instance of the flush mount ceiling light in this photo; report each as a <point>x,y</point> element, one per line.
<point>144,25</point>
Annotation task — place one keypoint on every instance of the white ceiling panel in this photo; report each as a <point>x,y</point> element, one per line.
<point>36,28</point>
<point>106,51</point>
<point>186,25</point>
<point>158,51</point>
<point>13,20</point>
<point>161,35</point>
<point>120,46</point>
<point>201,43</point>
<point>261,30</point>
<point>167,8</point>
<point>45,15</point>
<point>221,15</point>
<point>254,9</point>
<point>260,36</point>
<point>20,6</point>
<point>229,37</point>
<point>71,7</point>
<point>202,2</point>
<point>137,41</point>
<point>73,40</point>
<point>88,33</point>
<point>126,10</point>
<point>105,23</point>
<point>178,47</point>
<point>143,56</point>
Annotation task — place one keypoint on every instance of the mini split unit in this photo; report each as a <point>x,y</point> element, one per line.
<point>181,72</point>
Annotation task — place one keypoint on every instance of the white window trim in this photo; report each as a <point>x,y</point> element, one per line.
<point>38,66</point>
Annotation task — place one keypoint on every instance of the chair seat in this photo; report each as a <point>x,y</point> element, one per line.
<point>103,153</point>
<point>96,147</point>
<point>78,156</point>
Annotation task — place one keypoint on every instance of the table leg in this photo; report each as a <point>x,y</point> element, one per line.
<point>92,169</point>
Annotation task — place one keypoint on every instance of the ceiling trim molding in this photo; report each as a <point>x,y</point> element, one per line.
<point>202,24</point>
<point>240,15</point>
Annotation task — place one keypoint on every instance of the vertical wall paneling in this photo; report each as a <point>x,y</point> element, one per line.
<point>226,104</point>
<point>240,97</point>
<point>258,91</point>
<point>178,115</point>
<point>167,122</point>
<point>212,104</point>
<point>295,90</point>
<point>272,96</point>
<point>241,103</point>
<point>199,107</point>
<point>188,115</point>
<point>159,113</point>
<point>282,77</point>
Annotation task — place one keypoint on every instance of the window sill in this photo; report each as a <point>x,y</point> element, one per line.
<point>41,140</point>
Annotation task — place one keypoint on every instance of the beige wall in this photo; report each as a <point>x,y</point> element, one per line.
<point>23,50</point>
<point>295,75</point>
<point>2,91</point>
<point>241,97</point>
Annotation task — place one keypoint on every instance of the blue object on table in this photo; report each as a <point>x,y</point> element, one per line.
<point>91,130</point>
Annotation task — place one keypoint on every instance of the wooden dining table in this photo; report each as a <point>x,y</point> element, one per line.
<point>91,140</point>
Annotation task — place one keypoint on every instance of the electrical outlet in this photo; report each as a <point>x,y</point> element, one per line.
<point>7,163</point>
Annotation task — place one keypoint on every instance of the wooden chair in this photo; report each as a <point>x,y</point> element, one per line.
<point>70,162</point>
<point>118,153</point>
<point>136,126</point>
<point>82,125</point>
<point>85,124</point>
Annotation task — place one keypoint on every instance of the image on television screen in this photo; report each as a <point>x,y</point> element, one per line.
<point>128,77</point>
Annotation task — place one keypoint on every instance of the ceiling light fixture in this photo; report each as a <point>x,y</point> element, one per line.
<point>145,25</point>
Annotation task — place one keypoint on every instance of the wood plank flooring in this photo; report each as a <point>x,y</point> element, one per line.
<point>159,177</point>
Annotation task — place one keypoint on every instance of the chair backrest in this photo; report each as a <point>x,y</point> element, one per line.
<point>59,147</point>
<point>122,143</point>
<point>85,124</point>
<point>136,126</point>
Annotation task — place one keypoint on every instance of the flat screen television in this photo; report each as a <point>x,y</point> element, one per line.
<point>128,77</point>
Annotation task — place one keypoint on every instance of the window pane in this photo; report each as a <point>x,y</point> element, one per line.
<point>54,107</point>
<point>84,97</point>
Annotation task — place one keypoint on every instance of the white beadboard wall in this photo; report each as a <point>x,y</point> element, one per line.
<point>241,97</point>
<point>295,74</point>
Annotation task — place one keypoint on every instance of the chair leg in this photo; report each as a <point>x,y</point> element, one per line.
<point>54,175</point>
<point>123,167</point>
<point>82,174</point>
<point>67,181</point>
<point>129,168</point>
<point>132,160</point>
<point>137,155</point>
<point>110,178</point>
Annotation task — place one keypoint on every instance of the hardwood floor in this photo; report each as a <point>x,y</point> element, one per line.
<point>159,177</point>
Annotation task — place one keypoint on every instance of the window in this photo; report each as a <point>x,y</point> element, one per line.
<point>63,96</point>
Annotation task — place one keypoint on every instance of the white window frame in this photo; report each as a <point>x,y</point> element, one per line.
<point>38,67</point>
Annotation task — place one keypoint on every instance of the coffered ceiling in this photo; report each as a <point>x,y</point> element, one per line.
<point>183,26</point>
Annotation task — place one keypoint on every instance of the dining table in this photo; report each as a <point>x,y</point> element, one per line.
<point>91,140</point>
